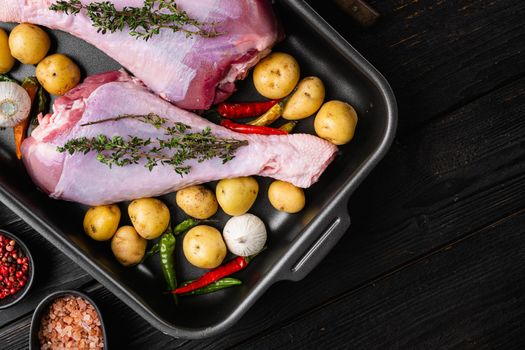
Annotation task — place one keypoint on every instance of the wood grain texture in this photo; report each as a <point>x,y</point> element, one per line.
<point>439,54</point>
<point>16,336</point>
<point>474,152</point>
<point>404,276</point>
<point>53,270</point>
<point>467,294</point>
<point>393,225</point>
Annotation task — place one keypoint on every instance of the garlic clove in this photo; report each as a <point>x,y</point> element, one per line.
<point>245,235</point>
<point>15,104</point>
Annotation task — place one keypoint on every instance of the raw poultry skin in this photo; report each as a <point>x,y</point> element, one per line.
<point>299,158</point>
<point>191,72</point>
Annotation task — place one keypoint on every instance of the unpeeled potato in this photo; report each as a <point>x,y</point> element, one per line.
<point>204,247</point>
<point>58,74</point>
<point>127,246</point>
<point>237,195</point>
<point>29,43</point>
<point>149,216</point>
<point>336,122</point>
<point>276,75</point>
<point>197,201</point>
<point>286,197</point>
<point>7,61</point>
<point>306,100</point>
<point>101,222</point>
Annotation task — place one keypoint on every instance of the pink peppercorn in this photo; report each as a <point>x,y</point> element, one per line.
<point>13,267</point>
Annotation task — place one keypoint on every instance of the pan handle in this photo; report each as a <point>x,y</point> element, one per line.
<point>299,263</point>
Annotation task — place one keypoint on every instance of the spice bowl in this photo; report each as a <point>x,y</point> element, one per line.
<point>48,304</point>
<point>29,273</point>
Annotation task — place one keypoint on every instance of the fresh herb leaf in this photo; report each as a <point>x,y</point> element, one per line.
<point>5,78</point>
<point>175,150</point>
<point>142,22</point>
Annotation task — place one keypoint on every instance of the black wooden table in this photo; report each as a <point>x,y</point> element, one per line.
<point>435,257</point>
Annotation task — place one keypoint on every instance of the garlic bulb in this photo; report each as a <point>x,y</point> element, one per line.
<point>15,104</point>
<point>245,235</point>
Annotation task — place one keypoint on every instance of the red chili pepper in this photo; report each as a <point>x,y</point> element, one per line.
<point>244,109</point>
<point>227,269</point>
<point>251,129</point>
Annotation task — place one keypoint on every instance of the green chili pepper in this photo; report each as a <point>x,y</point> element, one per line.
<point>186,225</point>
<point>42,105</point>
<point>213,287</point>
<point>152,251</point>
<point>42,100</point>
<point>180,228</point>
<point>167,259</point>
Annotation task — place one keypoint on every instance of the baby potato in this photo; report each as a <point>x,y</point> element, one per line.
<point>236,196</point>
<point>127,246</point>
<point>276,75</point>
<point>204,247</point>
<point>286,197</point>
<point>306,99</point>
<point>29,43</point>
<point>336,122</point>
<point>197,201</point>
<point>58,74</point>
<point>149,216</point>
<point>7,61</point>
<point>101,222</point>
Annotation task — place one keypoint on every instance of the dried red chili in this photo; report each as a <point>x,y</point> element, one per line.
<point>14,266</point>
<point>234,110</point>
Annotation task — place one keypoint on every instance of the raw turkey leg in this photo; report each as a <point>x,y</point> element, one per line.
<point>298,158</point>
<point>191,72</point>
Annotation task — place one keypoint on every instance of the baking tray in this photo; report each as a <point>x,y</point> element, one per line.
<point>296,244</point>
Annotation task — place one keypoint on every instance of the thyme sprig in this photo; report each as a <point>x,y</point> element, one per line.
<point>175,150</point>
<point>143,22</point>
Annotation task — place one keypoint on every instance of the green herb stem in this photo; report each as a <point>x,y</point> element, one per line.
<point>179,146</point>
<point>143,22</point>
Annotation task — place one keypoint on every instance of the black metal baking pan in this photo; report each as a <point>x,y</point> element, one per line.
<point>297,243</point>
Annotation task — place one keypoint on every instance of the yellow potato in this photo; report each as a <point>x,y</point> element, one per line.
<point>276,75</point>
<point>149,216</point>
<point>7,61</point>
<point>101,222</point>
<point>29,43</point>
<point>197,201</point>
<point>58,74</point>
<point>203,247</point>
<point>236,196</point>
<point>127,246</point>
<point>306,99</point>
<point>336,122</point>
<point>286,197</point>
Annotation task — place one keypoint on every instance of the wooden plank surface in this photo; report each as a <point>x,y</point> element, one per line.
<point>53,269</point>
<point>389,234</point>
<point>466,294</point>
<point>436,214</point>
<point>439,54</point>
